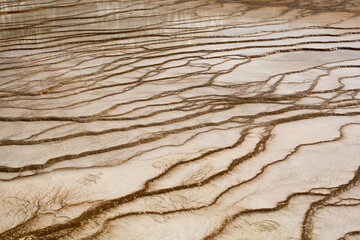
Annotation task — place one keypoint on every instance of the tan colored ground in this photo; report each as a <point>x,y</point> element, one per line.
<point>179,120</point>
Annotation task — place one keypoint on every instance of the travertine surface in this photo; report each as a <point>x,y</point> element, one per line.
<point>180,120</point>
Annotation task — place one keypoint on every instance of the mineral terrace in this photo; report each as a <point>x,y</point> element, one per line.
<point>179,119</point>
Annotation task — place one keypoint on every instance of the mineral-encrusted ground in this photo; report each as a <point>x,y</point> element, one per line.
<point>180,120</point>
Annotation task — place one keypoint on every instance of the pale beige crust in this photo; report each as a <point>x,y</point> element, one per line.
<point>179,120</point>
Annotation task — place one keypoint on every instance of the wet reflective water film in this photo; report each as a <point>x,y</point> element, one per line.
<point>179,119</point>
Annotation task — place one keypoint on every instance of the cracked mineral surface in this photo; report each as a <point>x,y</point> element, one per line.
<point>180,119</point>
